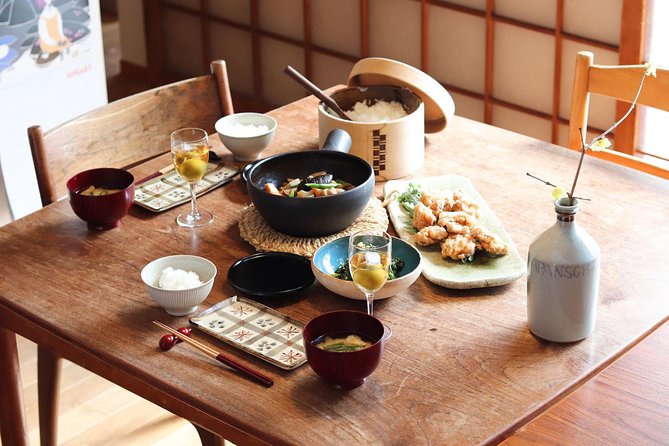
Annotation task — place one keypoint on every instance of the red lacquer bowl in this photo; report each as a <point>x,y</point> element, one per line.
<point>104,211</point>
<point>347,370</point>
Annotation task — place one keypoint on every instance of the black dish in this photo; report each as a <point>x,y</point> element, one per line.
<point>271,274</point>
<point>312,217</point>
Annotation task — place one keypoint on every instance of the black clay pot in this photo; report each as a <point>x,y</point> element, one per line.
<point>316,216</point>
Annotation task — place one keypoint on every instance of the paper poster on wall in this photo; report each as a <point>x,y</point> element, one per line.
<point>51,70</point>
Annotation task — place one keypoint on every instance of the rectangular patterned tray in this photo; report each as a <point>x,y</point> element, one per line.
<point>255,329</point>
<point>169,190</point>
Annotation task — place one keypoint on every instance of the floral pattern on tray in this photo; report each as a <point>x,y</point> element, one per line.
<point>169,190</point>
<point>255,329</point>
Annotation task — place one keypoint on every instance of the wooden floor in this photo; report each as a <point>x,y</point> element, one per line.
<point>96,412</point>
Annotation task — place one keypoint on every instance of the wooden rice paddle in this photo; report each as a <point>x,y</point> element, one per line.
<point>313,89</point>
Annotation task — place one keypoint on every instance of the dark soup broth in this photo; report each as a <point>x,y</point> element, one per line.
<point>342,342</point>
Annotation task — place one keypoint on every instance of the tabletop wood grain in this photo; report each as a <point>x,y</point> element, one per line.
<point>461,367</point>
<point>628,403</point>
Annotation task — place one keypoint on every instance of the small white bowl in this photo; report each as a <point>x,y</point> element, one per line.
<point>179,302</point>
<point>245,148</point>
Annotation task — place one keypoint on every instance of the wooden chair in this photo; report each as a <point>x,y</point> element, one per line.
<point>128,131</point>
<point>120,134</point>
<point>620,82</point>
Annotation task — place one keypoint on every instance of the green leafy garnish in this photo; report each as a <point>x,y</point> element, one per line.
<point>322,186</point>
<point>410,198</point>
<point>343,347</point>
<point>396,265</point>
<point>343,272</point>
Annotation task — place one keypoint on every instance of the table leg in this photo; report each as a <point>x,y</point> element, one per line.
<point>209,439</point>
<point>48,380</point>
<point>12,413</point>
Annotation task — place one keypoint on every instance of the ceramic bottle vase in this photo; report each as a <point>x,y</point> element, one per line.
<point>563,279</point>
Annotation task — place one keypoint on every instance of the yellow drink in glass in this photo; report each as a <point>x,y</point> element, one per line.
<point>191,165</point>
<point>190,155</point>
<point>370,276</point>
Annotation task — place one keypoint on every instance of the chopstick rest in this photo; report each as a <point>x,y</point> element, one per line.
<point>244,370</point>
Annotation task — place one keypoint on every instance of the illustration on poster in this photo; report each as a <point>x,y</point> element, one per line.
<point>45,28</point>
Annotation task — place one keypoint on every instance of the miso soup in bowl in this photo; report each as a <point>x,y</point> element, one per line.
<point>344,347</point>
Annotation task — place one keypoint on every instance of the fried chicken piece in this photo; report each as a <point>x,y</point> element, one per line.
<point>462,203</point>
<point>458,247</point>
<point>437,207</point>
<point>440,200</point>
<point>427,198</point>
<point>422,216</point>
<point>430,235</point>
<point>457,222</point>
<point>489,242</point>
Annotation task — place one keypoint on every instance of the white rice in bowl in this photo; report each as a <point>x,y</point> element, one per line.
<point>380,111</point>
<point>178,279</point>
<point>245,130</point>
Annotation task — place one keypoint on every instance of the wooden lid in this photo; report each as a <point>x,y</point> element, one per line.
<point>439,106</point>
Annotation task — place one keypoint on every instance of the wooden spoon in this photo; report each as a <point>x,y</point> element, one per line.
<point>313,89</point>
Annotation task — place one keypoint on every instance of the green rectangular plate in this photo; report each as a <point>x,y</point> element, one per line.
<point>484,271</point>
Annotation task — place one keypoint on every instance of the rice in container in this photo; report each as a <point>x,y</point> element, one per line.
<point>394,148</point>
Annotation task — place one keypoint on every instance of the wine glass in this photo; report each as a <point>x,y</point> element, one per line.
<point>369,257</point>
<point>190,154</point>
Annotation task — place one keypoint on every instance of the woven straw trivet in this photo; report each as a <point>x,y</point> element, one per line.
<point>255,230</point>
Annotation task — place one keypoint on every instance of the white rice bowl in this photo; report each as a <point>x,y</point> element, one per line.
<point>180,302</point>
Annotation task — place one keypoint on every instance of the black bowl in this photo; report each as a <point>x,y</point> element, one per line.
<point>271,274</point>
<point>317,216</point>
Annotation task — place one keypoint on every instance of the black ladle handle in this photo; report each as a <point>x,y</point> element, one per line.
<point>338,140</point>
<point>313,89</point>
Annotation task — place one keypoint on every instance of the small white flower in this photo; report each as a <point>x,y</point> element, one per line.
<point>601,143</point>
<point>650,69</point>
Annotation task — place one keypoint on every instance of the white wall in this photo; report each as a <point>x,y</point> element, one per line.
<point>46,94</point>
<point>653,122</point>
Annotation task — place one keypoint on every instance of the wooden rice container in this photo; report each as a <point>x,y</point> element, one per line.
<point>393,148</point>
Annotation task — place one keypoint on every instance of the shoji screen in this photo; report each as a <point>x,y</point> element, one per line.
<point>506,62</point>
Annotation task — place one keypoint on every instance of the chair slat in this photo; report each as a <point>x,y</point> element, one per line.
<point>620,82</point>
<point>126,132</point>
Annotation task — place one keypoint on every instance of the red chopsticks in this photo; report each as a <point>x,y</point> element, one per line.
<point>160,172</point>
<point>244,370</point>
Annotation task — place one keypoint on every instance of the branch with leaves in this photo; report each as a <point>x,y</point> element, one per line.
<point>598,143</point>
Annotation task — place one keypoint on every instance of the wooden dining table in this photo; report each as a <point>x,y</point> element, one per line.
<point>461,366</point>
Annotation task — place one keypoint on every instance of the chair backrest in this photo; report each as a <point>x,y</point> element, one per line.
<point>619,82</point>
<point>127,132</point>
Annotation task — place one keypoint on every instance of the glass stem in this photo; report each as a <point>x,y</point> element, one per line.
<point>194,213</point>
<point>370,302</point>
